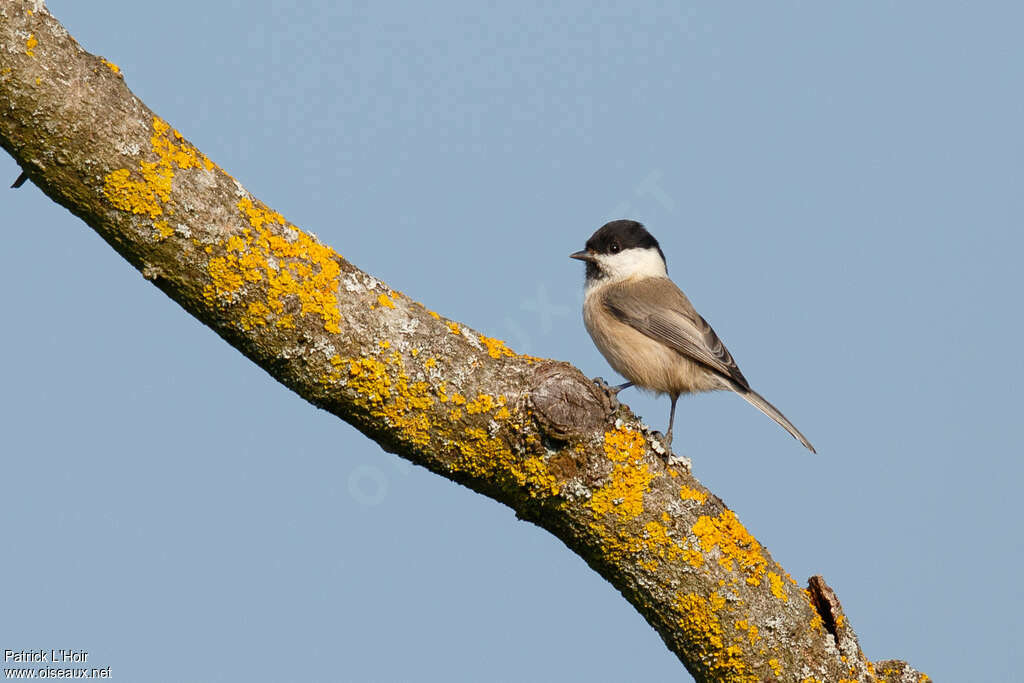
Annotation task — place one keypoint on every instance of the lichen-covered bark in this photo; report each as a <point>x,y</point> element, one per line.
<point>534,434</point>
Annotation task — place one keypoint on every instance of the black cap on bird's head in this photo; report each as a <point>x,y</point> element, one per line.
<point>613,238</point>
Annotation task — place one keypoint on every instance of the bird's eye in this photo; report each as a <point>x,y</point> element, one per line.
<point>614,248</point>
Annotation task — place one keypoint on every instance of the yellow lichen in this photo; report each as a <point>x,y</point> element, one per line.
<point>163,230</point>
<point>291,266</point>
<point>495,347</point>
<point>622,496</point>
<point>775,582</point>
<point>649,565</point>
<point>483,403</point>
<point>704,629</point>
<point>454,327</point>
<point>687,493</point>
<point>146,191</point>
<point>370,378</point>
<point>734,543</point>
<point>623,493</point>
<point>750,629</point>
<point>388,393</point>
<point>30,44</point>
<point>385,300</point>
<point>776,667</point>
<point>110,65</point>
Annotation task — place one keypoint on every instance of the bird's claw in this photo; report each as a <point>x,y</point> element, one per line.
<point>609,391</point>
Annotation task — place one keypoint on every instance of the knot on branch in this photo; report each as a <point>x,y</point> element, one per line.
<point>564,402</point>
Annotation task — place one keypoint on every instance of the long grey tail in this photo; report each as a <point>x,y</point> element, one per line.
<point>758,401</point>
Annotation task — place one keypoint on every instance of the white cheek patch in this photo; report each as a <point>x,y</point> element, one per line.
<point>632,263</point>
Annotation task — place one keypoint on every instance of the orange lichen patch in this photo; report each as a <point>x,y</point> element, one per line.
<point>623,493</point>
<point>483,403</point>
<point>369,377</point>
<point>291,266</point>
<point>258,214</point>
<point>485,456</point>
<point>687,493</point>
<point>775,583</point>
<point>750,629</point>
<point>433,315</point>
<point>110,65</point>
<point>385,301</point>
<point>388,393</point>
<point>454,327</point>
<point>139,196</point>
<point>30,45</point>
<point>656,542</point>
<point>734,543</point>
<point>163,230</point>
<point>495,347</point>
<point>145,191</point>
<point>256,315</point>
<point>621,499</point>
<point>704,629</point>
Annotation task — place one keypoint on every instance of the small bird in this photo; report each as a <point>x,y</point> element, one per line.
<point>648,330</point>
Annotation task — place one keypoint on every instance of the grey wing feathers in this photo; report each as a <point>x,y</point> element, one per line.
<point>660,310</point>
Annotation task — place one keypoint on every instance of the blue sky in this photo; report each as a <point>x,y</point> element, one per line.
<point>838,188</point>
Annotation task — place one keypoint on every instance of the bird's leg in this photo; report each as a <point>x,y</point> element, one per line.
<point>671,421</point>
<point>619,388</point>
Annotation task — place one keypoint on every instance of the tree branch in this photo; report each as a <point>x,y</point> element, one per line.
<point>534,434</point>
